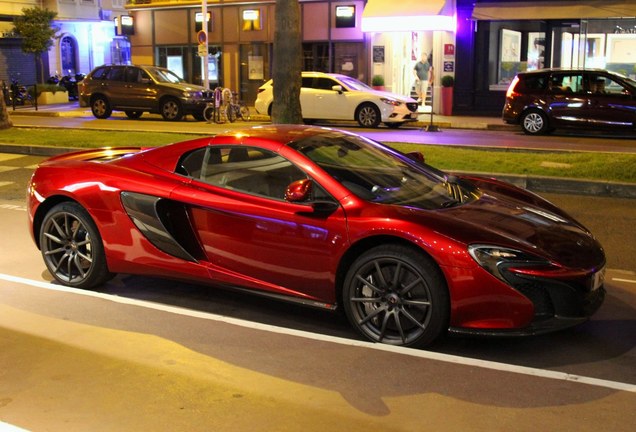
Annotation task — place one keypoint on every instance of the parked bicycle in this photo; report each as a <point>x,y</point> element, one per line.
<point>226,106</point>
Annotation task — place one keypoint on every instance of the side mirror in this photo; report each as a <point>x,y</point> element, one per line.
<point>416,156</point>
<point>337,88</point>
<point>300,192</point>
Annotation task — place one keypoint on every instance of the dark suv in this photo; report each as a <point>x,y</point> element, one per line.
<point>139,89</point>
<point>541,101</point>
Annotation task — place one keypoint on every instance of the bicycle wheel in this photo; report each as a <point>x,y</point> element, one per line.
<point>230,112</point>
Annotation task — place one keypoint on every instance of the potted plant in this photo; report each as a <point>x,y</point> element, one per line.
<point>51,94</point>
<point>377,82</point>
<point>448,81</point>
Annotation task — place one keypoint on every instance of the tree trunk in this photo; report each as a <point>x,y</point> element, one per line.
<point>287,63</point>
<point>5,120</point>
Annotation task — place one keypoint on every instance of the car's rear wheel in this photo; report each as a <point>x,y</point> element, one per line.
<point>133,114</point>
<point>171,109</point>
<point>534,122</point>
<point>368,115</point>
<point>101,107</point>
<point>72,247</point>
<point>396,295</point>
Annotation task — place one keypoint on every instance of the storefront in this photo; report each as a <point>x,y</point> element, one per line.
<point>496,44</point>
<point>399,33</point>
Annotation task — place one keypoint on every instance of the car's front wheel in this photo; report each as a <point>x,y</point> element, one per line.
<point>171,109</point>
<point>534,122</point>
<point>396,295</point>
<point>101,107</point>
<point>72,247</point>
<point>368,115</point>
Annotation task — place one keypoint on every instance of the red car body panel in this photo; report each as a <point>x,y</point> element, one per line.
<point>281,248</point>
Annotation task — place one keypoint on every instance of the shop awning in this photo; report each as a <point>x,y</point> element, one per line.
<point>408,15</point>
<point>555,10</point>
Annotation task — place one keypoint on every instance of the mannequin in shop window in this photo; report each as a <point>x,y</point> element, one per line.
<point>423,76</point>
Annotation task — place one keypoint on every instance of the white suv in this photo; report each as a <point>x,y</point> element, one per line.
<point>326,96</point>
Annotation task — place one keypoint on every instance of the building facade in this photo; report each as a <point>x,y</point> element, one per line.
<point>87,38</point>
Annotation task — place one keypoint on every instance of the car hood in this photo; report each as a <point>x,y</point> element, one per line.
<point>534,228</point>
<point>184,86</point>
<point>390,95</point>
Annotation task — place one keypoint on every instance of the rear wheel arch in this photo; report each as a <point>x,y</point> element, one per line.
<point>43,209</point>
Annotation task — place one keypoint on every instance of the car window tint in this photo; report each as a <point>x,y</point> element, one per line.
<point>600,84</point>
<point>566,83</point>
<point>115,74</point>
<point>324,83</point>
<point>100,73</point>
<point>530,83</point>
<point>133,74</point>
<point>250,169</point>
<point>191,163</point>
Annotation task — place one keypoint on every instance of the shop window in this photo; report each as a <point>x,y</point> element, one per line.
<point>345,16</point>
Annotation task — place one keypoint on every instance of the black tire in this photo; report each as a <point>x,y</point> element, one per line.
<point>396,295</point>
<point>101,107</point>
<point>198,116</point>
<point>72,247</point>
<point>534,122</point>
<point>208,113</point>
<point>133,115</point>
<point>368,115</point>
<point>171,109</point>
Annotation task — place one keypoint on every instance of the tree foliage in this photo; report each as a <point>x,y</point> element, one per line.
<point>36,28</point>
<point>287,64</point>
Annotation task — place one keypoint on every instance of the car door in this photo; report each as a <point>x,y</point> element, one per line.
<point>324,102</point>
<point>140,91</point>
<point>114,86</point>
<point>251,236</point>
<point>610,103</point>
<point>567,99</point>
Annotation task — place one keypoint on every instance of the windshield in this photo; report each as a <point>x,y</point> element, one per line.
<point>379,174</point>
<point>165,76</point>
<point>354,84</point>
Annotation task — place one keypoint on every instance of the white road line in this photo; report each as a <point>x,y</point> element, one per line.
<point>624,280</point>
<point>541,373</point>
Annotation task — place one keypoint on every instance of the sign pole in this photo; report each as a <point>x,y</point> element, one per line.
<point>204,50</point>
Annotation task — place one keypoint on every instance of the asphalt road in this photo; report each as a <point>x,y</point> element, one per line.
<point>149,354</point>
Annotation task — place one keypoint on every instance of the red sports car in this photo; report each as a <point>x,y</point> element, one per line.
<point>325,218</point>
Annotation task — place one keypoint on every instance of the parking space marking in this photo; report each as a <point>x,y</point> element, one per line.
<point>447,358</point>
<point>9,156</point>
<point>624,280</point>
<point>7,168</point>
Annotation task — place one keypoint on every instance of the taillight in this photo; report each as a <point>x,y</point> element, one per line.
<point>511,87</point>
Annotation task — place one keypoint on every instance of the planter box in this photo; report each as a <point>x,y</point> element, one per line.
<point>47,98</point>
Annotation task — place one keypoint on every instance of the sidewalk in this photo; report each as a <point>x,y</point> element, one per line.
<point>72,109</point>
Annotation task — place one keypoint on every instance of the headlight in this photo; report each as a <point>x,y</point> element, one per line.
<point>192,94</point>
<point>391,101</point>
<point>495,259</point>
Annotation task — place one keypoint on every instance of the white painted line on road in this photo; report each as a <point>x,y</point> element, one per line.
<point>624,280</point>
<point>6,427</point>
<point>12,206</point>
<point>447,358</point>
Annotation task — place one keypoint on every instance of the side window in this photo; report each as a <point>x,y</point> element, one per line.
<point>191,163</point>
<point>133,74</point>
<point>307,82</point>
<point>325,83</point>
<point>532,83</point>
<point>566,83</point>
<point>251,170</point>
<point>100,73</point>
<point>115,74</point>
<point>600,84</point>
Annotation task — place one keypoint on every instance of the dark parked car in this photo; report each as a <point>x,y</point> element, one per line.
<point>541,101</point>
<point>139,89</point>
<point>323,218</point>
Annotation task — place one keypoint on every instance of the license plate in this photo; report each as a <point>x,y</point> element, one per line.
<point>598,279</point>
